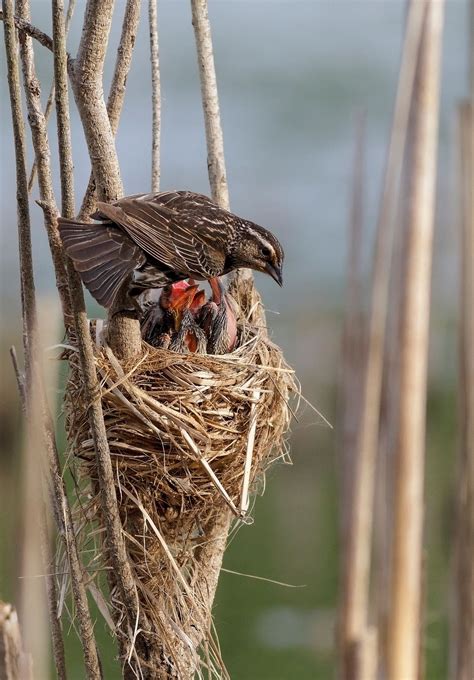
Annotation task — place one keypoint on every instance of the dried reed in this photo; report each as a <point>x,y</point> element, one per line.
<point>404,630</point>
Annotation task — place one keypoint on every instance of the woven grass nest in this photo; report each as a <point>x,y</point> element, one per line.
<point>190,436</point>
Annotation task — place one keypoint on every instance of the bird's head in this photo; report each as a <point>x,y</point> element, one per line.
<point>257,248</point>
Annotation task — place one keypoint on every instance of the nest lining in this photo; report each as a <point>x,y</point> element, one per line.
<point>189,435</point>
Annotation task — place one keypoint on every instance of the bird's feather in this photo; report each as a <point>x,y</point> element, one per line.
<point>104,256</point>
<point>188,242</point>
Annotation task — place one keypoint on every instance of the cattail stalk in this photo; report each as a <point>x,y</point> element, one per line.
<point>155,95</point>
<point>355,603</point>
<point>404,632</point>
<point>463,629</point>
<point>116,96</point>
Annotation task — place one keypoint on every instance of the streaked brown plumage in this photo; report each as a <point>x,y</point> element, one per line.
<point>151,240</point>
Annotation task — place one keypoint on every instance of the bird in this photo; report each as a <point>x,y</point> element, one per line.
<point>152,240</point>
<point>217,318</point>
<point>162,320</point>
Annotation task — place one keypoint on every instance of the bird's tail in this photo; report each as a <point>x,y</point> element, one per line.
<point>103,255</point>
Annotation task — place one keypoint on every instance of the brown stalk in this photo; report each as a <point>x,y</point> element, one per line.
<point>15,661</point>
<point>155,96</point>
<point>47,558</point>
<point>354,615</point>
<point>43,156</point>
<point>126,339</point>
<point>210,102</point>
<point>51,96</point>
<point>350,379</point>
<point>212,552</point>
<point>117,89</point>
<point>29,29</point>
<point>463,629</point>
<point>29,303</point>
<point>404,625</point>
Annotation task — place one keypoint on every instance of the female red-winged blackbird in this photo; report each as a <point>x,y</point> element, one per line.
<point>151,240</point>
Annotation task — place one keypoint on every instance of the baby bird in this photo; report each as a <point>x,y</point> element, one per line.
<point>170,324</point>
<point>218,320</point>
<point>153,240</point>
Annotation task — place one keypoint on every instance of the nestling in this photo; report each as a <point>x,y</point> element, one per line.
<point>152,240</point>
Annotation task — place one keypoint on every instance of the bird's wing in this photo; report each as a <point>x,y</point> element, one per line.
<point>178,239</point>
<point>104,256</point>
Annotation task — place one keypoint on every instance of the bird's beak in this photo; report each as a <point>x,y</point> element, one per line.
<point>275,272</point>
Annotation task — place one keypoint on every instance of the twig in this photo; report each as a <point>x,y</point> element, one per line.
<point>352,350</point>
<point>463,633</point>
<point>15,662</point>
<point>211,554</point>
<point>354,614</point>
<point>43,157</point>
<point>89,98</point>
<point>244,496</point>
<point>24,233</point>
<point>210,102</point>
<point>20,379</point>
<point>62,109</point>
<point>89,95</point>
<point>51,96</point>
<point>117,89</point>
<point>404,627</point>
<point>29,29</point>
<point>28,299</point>
<point>155,96</point>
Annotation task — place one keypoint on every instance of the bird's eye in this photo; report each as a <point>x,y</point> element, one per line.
<point>266,252</point>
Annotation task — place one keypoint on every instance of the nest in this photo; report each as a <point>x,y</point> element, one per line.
<point>190,437</point>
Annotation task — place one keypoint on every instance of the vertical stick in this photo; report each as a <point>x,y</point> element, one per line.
<point>351,374</point>
<point>28,295</point>
<point>30,547</point>
<point>52,92</point>
<point>210,102</point>
<point>464,583</point>
<point>62,110</point>
<point>155,96</point>
<point>123,332</point>
<point>24,233</point>
<point>404,624</point>
<point>15,663</point>
<point>40,140</point>
<point>116,97</point>
<point>355,599</point>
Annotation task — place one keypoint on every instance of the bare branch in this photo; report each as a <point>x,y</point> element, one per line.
<point>89,98</point>
<point>62,109</point>
<point>354,612</point>
<point>20,379</point>
<point>210,101</point>
<point>24,232</point>
<point>463,621</point>
<point>29,29</point>
<point>14,661</point>
<point>89,95</point>
<point>117,88</point>
<point>43,158</point>
<point>53,598</point>
<point>405,598</point>
<point>28,296</point>
<point>51,96</point>
<point>156,96</point>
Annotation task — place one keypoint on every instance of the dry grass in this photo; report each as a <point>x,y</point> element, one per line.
<point>188,436</point>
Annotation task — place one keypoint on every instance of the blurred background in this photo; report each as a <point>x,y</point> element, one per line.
<point>293,77</point>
